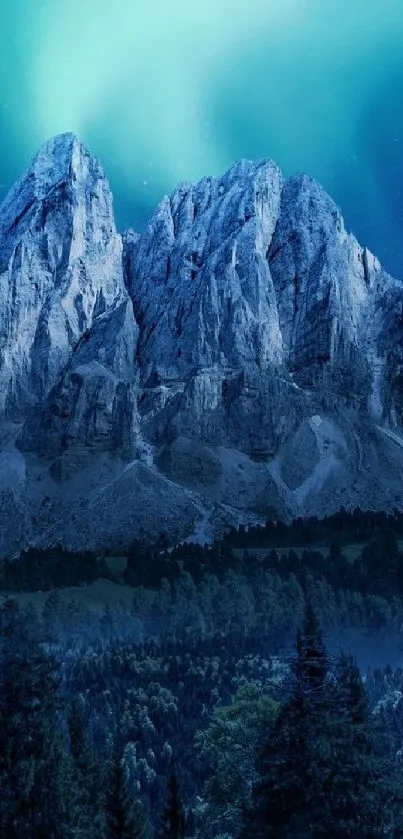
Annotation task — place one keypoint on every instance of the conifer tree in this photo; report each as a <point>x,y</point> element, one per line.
<point>88,818</point>
<point>140,824</point>
<point>34,764</point>
<point>320,772</point>
<point>363,791</point>
<point>173,821</point>
<point>126,815</point>
<point>291,762</point>
<point>311,664</point>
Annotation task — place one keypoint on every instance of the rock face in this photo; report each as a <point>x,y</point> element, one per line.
<point>60,266</point>
<point>242,357</point>
<point>210,342</point>
<point>200,274</point>
<point>93,403</point>
<point>249,293</point>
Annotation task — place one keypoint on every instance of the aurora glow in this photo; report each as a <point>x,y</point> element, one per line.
<point>171,90</point>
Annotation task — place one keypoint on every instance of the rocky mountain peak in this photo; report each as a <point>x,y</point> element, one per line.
<point>60,266</point>
<point>62,161</point>
<point>241,357</point>
<point>200,270</point>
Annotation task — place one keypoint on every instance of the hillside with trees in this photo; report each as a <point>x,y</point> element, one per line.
<point>217,700</point>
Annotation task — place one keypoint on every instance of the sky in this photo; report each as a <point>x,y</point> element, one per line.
<point>170,90</point>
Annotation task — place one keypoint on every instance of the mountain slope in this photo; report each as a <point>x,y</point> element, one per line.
<point>242,357</point>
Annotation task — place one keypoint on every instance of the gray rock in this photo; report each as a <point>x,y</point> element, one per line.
<point>323,291</point>
<point>210,345</point>
<point>258,320</point>
<point>242,357</point>
<point>200,280</point>
<point>94,403</point>
<point>60,266</point>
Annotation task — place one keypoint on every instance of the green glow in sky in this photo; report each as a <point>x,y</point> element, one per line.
<point>171,90</point>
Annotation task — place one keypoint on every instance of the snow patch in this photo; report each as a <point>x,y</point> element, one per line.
<point>316,421</point>
<point>314,482</point>
<point>392,434</point>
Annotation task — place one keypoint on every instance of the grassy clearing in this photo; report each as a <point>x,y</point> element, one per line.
<point>100,593</point>
<point>94,596</point>
<point>116,565</point>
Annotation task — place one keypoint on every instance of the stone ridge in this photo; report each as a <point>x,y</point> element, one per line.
<point>60,266</point>
<point>94,403</point>
<point>197,273</point>
<point>241,358</point>
<point>251,283</point>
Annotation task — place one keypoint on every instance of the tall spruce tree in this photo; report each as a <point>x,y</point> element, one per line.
<point>140,824</point>
<point>320,772</point>
<point>364,786</point>
<point>292,761</point>
<point>88,817</point>
<point>126,815</point>
<point>173,821</point>
<point>34,763</point>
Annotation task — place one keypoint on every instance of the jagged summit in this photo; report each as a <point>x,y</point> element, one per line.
<point>60,264</point>
<point>241,357</point>
<point>59,160</point>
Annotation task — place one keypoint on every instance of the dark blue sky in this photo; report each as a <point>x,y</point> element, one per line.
<point>171,90</point>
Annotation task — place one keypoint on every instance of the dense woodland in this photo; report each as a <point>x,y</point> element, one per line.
<point>218,704</point>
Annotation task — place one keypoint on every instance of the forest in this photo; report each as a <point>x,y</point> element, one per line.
<point>227,696</point>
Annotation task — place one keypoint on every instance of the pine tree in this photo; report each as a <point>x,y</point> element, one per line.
<point>311,664</point>
<point>52,614</point>
<point>140,824</point>
<point>34,763</point>
<point>292,761</point>
<point>173,821</point>
<point>291,765</point>
<point>88,819</point>
<point>320,772</point>
<point>363,791</point>
<point>126,815</point>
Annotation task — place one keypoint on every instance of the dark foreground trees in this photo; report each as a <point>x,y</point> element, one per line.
<point>322,769</point>
<point>173,821</point>
<point>34,766</point>
<point>70,726</point>
<point>126,816</point>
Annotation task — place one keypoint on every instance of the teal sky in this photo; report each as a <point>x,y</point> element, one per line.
<point>171,90</point>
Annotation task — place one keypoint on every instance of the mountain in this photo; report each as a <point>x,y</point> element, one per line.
<point>241,358</point>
